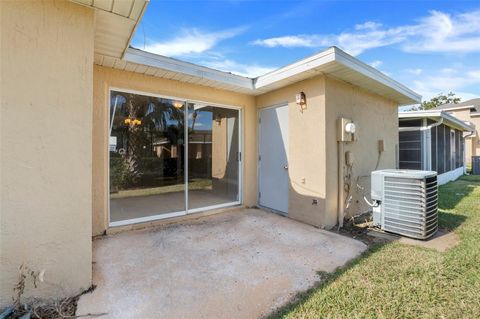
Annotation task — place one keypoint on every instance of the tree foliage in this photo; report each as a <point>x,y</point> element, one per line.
<point>438,100</point>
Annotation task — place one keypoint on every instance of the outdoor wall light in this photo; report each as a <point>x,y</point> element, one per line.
<point>177,104</point>
<point>301,100</point>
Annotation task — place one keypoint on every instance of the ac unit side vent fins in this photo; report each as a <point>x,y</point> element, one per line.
<point>408,202</point>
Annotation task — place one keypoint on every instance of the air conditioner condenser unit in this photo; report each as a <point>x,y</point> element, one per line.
<point>405,202</point>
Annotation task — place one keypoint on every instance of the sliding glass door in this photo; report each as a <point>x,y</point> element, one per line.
<point>213,156</point>
<point>155,173</point>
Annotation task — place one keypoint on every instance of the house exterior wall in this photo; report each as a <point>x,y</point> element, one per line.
<point>376,118</point>
<point>313,165</point>
<point>46,68</point>
<point>475,138</point>
<point>306,149</point>
<point>105,78</point>
<point>472,143</point>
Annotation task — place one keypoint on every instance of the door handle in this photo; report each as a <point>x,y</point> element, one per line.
<point>286,167</point>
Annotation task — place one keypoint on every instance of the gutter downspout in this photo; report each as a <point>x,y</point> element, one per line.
<point>470,134</point>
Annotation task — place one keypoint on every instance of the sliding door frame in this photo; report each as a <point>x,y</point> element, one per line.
<point>186,113</point>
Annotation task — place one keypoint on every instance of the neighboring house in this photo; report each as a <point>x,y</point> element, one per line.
<point>81,111</point>
<point>433,140</point>
<point>468,111</point>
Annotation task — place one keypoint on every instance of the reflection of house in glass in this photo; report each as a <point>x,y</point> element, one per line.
<point>148,159</point>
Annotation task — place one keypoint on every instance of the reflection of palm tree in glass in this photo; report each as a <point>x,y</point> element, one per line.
<point>166,121</point>
<point>194,118</point>
<point>135,134</point>
<point>140,122</point>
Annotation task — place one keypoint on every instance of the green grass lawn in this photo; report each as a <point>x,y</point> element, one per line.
<point>398,281</point>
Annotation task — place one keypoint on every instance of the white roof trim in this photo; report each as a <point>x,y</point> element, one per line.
<point>144,8</point>
<point>335,55</point>
<point>475,114</point>
<point>374,74</point>
<point>115,24</point>
<point>296,68</point>
<point>311,66</point>
<point>177,66</point>
<point>449,119</point>
<point>459,107</point>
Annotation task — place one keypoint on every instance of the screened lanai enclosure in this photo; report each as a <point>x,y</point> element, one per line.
<point>432,141</point>
<point>170,157</point>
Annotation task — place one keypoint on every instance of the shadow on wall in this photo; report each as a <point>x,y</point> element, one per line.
<point>308,209</point>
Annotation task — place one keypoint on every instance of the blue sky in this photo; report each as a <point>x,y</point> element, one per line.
<point>430,46</point>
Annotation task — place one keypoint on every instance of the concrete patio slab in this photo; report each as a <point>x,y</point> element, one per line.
<point>240,264</point>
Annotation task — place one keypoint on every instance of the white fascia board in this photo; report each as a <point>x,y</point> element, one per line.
<point>475,114</point>
<point>371,72</point>
<point>296,68</point>
<point>264,83</point>
<point>449,119</point>
<point>419,114</point>
<point>454,108</point>
<point>335,55</point>
<point>177,66</point>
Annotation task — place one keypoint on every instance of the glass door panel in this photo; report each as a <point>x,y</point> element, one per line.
<point>147,158</point>
<point>213,156</point>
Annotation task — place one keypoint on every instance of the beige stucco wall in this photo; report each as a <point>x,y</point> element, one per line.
<point>105,78</point>
<point>475,138</point>
<point>472,143</point>
<point>46,131</point>
<point>376,118</point>
<point>306,149</point>
<point>313,165</point>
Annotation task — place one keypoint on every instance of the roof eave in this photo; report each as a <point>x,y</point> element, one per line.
<point>135,27</point>
<point>437,114</point>
<point>410,97</point>
<point>178,66</point>
<point>323,63</point>
<point>461,107</point>
<point>330,62</point>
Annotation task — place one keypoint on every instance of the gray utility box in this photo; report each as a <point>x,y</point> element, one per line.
<point>476,165</point>
<point>406,202</point>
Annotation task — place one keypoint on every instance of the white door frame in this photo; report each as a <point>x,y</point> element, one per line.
<point>259,110</point>
<point>186,211</point>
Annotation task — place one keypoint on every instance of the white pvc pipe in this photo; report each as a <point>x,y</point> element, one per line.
<point>422,128</point>
<point>341,188</point>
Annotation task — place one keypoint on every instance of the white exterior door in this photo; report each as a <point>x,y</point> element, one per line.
<point>273,177</point>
